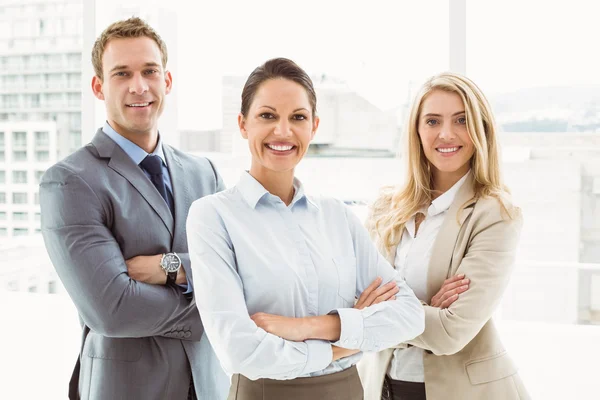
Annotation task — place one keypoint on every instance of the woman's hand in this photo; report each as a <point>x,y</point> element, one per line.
<point>340,352</point>
<point>288,328</point>
<point>324,327</point>
<point>375,294</point>
<point>449,291</point>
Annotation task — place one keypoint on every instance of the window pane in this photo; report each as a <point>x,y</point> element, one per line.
<point>19,156</point>
<point>19,140</point>
<point>19,176</point>
<point>42,156</point>
<point>20,216</point>
<point>42,139</point>
<point>19,198</point>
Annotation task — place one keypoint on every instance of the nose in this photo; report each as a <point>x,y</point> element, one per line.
<point>138,85</point>
<point>283,128</point>
<point>446,132</point>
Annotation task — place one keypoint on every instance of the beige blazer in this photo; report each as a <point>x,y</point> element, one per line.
<point>464,357</point>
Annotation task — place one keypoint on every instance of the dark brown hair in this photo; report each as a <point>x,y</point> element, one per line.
<point>130,28</point>
<point>277,68</point>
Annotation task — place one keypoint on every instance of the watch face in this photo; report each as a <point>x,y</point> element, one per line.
<point>171,262</point>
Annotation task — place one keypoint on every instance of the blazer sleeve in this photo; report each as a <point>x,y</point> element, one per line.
<point>91,266</point>
<point>488,263</point>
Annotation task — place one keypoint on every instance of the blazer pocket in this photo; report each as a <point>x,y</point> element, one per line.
<point>490,369</point>
<point>120,349</point>
<point>346,271</point>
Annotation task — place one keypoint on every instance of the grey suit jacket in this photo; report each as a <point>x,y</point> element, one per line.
<point>99,209</point>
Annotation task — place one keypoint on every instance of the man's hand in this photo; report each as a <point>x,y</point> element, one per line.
<point>450,290</point>
<point>375,294</point>
<point>146,269</point>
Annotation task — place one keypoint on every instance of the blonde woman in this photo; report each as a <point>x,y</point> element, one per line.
<point>451,231</point>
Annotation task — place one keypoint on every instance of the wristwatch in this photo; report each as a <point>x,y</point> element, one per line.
<point>170,263</point>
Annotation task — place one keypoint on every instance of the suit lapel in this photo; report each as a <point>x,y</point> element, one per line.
<point>181,192</point>
<point>124,166</point>
<point>443,247</point>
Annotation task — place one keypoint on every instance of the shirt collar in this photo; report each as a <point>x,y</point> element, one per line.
<point>252,191</point>
<point>446,199</point>
<point>135,152</point>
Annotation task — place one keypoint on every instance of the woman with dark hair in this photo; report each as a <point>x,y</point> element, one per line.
<point>276,271</point>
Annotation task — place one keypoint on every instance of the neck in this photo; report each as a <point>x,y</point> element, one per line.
<point>443,181</point>
<point>147,141</point>
<point>280,184</point>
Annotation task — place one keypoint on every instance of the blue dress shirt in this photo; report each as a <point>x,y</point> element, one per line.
<point>137,155</point>
<point>251,253</point>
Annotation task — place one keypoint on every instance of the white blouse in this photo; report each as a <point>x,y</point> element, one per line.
<point>412,261</point>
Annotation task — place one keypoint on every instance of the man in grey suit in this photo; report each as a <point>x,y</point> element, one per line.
<point>113,220</point>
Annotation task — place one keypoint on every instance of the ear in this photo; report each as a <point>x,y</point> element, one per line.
<point>242,125</point>
<point>97,88</point>
<point>315,127</point>
<point>168,81</point>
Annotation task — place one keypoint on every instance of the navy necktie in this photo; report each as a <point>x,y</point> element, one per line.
<point>152,164</point>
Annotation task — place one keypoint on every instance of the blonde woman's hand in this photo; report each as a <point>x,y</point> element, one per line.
<point>374,294</point>
<point>450,290</point>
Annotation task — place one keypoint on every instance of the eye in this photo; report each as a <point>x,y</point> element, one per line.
<point>151,71</point>
<point>299,117</point>
<point>120,73</point>
<point>431,122</point>
<point>462,120</point>
<point>267,116</point>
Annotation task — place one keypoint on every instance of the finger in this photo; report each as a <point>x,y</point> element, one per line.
<point>387,295</point>
<point>446,303</point>
<point>381,290</point>
<point>454,285</point>
<point>453,292</point>
<point>453,279</point>
<point>368,290</point>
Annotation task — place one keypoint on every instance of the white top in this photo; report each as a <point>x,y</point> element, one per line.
<point>251,253</point>
<point>412,261</point>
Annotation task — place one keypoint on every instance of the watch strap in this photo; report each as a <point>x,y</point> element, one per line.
<point>171,278</point>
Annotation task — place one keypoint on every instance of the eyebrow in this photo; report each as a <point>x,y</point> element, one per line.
<point>121,67</point>
<point>440,115</point>
<point>297,109</point>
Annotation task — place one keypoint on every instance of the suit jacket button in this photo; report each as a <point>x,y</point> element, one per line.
<point>180,335</point>
<point>187,334</point>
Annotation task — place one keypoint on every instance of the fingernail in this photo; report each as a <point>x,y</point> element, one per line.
<point>462,276</point>
<point>465,287</point>
<point>465,281</point>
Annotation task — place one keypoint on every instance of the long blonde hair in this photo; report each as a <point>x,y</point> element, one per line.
<point>396,205</point>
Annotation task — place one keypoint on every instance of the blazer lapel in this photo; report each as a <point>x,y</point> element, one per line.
<point>124,166</point>
<point>443,247</point>
<point>181,193</point>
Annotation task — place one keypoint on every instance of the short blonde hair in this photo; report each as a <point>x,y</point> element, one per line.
<point>130,28</point>
<point>396,205</point>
